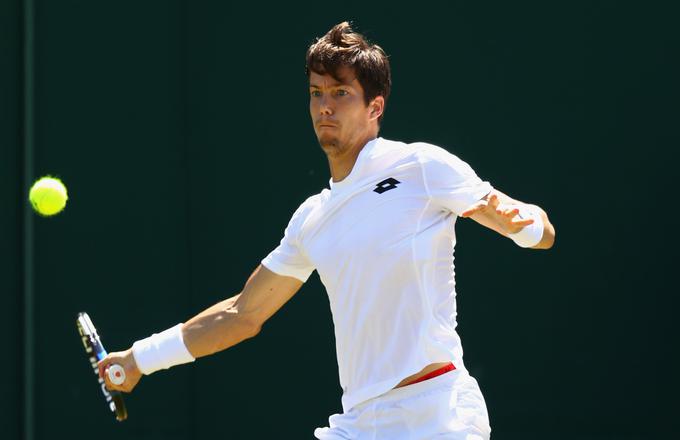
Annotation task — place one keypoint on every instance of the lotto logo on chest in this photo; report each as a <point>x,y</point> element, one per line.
<point>375,221</point>
<point>386,185</point>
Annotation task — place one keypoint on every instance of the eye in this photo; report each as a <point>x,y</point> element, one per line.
<point>341,92</point>
<point>315,93</point>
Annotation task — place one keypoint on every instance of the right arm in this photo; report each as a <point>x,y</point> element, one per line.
<point>240,317</point>
<point>221,326</point>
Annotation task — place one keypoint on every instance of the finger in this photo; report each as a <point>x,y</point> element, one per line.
<point>101,366</point>
<point>523,222</point>
<point>107,381</point>
<point>511,212</point>
<point>506,212</point>
<point>471,211</point>
<point>474,208</point>
<point>494,201</point>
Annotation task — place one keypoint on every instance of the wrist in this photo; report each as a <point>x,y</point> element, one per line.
<point>130,363</point>
<point>530,235</point>
<point>161,351</point>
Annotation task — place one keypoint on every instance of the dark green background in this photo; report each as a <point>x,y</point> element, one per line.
<point>182,131</point>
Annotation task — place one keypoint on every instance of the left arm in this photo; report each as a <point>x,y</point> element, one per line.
<point>501,213</point>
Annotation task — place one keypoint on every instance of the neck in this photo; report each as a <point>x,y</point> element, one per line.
<point>341,163</point>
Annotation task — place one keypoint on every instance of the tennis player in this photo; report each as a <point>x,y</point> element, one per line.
<point>382,239</point>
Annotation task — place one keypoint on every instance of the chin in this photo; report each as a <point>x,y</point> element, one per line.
<point>328,143</point>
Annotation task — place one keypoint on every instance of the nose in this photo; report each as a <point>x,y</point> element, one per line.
<point>325,108</point>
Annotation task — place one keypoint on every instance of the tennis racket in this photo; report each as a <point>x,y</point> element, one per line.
<point>95,352</point>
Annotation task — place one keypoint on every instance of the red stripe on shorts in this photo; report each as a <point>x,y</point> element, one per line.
<point>431,374</point>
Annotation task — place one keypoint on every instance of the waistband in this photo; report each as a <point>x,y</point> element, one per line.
<point>444,379</point>
<point>432,374</point>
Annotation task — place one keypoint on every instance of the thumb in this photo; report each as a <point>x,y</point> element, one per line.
<point>474,208</point>
<point>102,366</point>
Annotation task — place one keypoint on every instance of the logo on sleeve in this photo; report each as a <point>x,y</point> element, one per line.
<point>386,185</point>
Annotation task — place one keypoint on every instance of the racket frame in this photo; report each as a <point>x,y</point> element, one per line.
<point>94,349</point>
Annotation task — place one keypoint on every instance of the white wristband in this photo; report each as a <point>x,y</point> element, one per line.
<point>529,236</point>
<point>161,351</point>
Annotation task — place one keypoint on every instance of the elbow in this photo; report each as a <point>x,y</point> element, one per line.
<point>238,327</point>
<point>246,322</point>
<point>250,328</point>
<point>249,324</point>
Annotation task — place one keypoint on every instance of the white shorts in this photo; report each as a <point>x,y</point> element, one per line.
<point>449,406</point>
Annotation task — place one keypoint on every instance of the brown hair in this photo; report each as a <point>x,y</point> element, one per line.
<point>341,46</point>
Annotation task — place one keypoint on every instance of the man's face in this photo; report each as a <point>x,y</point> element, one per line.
<point>340,116</point>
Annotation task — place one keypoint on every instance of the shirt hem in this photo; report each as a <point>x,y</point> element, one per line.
<point>280,269</point>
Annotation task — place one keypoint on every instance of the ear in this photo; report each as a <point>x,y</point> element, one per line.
<point>376,107</point>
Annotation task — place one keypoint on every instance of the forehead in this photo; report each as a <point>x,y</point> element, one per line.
<point>345,76</point>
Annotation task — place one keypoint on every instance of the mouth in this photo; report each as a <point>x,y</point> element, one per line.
<point>321,125</point>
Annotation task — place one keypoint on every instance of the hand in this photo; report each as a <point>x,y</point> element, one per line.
<point>506,217</point>
<point>126,360</point>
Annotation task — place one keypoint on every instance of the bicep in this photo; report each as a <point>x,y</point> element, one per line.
<point>265,293</point>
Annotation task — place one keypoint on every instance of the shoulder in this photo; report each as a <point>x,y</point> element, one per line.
<point>433,155</point>
<point>434,160</point>
<point>416,151</point>
<point>309,205</point>
<point>422,151</point>
<point>306,208</point>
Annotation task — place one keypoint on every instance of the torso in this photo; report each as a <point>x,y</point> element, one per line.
<point>382,242</point>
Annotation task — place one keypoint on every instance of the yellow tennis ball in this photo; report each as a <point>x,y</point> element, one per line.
<point>48,196</point>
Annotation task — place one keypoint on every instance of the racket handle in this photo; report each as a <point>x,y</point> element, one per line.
<point>116,374</point>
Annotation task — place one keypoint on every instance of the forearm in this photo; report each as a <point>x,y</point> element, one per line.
<point>510,217</point>
<point>218,327</point>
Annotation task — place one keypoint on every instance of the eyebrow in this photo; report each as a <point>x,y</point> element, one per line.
<point>314,86</point>
<point>337,84</point>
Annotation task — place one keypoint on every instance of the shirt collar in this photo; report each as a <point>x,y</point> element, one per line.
<point>355,174</point>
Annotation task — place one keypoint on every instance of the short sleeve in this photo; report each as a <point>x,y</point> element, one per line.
<point>289,259</point>
<point>451,182</point>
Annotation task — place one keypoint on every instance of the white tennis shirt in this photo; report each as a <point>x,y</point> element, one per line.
<point>382,241</point>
